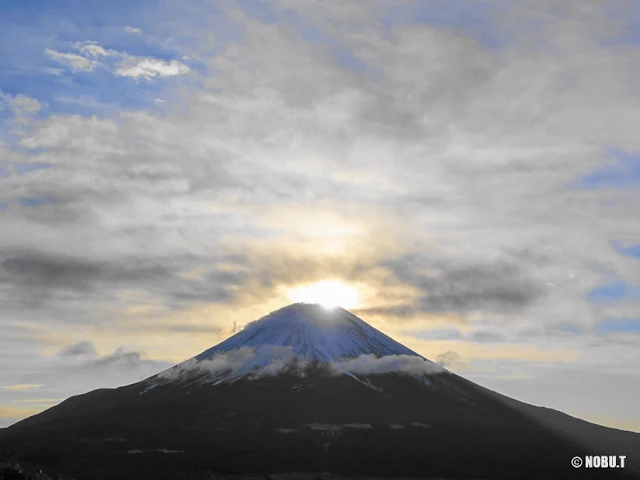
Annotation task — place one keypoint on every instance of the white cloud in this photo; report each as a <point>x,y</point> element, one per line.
<point>119,62</point>
<point>92,49</point>
<point>269,360</point>
<point>139,67</point>
<point>133,30</point>
<point>23,111</point>
<point>21,106</point>
<point>78,63</point>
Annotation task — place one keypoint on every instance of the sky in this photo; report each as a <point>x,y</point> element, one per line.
<point>472,169</point>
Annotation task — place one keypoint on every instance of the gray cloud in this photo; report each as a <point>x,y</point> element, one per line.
<point>456,286</point>
<point>86,353</point>
<point>120,356</point>
<point>441,334</point>
<point>34,271</point>
<point>40,278</point>
<point>79,349</point>
<point>444,96</point>
<point>488,336</point>
<point>448,359</point>
<point>75,369</point>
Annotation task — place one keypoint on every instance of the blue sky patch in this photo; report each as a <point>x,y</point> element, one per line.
<point>628,250</point>
<point>621,325</point>
<point>473,18</point>
<point>613,292</point>
<point>623,172</point>
<point>629,19</point>
<point>138,29</point>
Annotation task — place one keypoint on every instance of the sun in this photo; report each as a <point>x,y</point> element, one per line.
<point>328,293</point>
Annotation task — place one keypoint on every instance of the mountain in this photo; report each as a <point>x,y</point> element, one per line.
<point>307,392</point>
<point>314,333</point>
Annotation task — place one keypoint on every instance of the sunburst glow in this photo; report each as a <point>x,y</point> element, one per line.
<point>328,293</point>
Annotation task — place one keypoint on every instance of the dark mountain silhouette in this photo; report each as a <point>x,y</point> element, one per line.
<point>308,392</point>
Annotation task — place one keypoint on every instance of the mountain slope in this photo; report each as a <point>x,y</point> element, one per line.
<point>185,422</point>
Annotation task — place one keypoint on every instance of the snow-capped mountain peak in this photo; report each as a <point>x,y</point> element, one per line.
<point>315,333</point>
<point>295,336</point>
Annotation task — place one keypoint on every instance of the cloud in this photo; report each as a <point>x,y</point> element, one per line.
<point>77,63</point>
<point>35,271</point>
<point>41,401</point>
<point>36,279</point>
<point>79,349</point>
<point>256,362</point>
<point>460,162</point>
<point>92,49</point>
<point>120,356</point>
<point>147,68</point>
<point>71,370</point>
<point>133,30</point>
<point>453,285</point>
<point>440,334</point>
<point>92,55</point>
<point>56,72</point>
<point>270,360</point>
<point>20,105</point>
<point>85,352</point>
<point>22,387</point>
<point>129,65</point>
<point>488,336</point>
<point>448,359</point>
<point>22,108</point>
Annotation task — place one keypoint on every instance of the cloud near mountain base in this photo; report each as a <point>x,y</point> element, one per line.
<point>270,360</point>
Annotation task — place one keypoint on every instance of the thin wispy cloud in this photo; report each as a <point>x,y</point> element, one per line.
<point>74,61</point>
<point>22,387</point>
<point>148,68</point>
<point>92,55</point>
<point>133,30</point>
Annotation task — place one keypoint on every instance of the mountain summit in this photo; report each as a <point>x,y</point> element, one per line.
<point>314,332</point>
<point>297,337</point>
<point>301,393</point>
